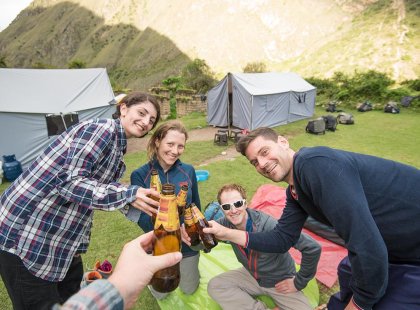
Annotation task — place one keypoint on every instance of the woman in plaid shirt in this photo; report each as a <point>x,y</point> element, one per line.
<point>46,214</point>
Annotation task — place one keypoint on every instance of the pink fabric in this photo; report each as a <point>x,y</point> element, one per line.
<point>271,199</point>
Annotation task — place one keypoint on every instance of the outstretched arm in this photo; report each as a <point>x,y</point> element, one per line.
<point>132,273</point>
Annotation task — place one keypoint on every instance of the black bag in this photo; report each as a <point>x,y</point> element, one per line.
<point>330,122</point>
<point>316,126</point>
<point>331,107</point>
<point>391,107</point>
<point>406,101</point>
<point>365,106</point>
<point>345,118</point>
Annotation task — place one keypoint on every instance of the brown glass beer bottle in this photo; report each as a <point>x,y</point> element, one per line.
<point>156,185</point>
<point>209,241</point>
<point>167,238</point>
<point>181,200</point>
<point>190,227</point>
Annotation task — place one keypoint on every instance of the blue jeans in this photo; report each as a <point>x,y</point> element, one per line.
<point>27,291</point>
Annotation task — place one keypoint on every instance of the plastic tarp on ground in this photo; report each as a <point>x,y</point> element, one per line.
<point>219,260</point>
<point>271,199</point>
<point>252,100</point>
<point>27,96</point>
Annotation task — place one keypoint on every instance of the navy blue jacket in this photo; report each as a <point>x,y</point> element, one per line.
<point>372,203</point>
<point>179,174</point>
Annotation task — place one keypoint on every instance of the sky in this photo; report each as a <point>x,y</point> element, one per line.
<point>9,9</point>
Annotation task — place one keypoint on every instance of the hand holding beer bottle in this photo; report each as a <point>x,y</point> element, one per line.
<point>190,227</point>
<point>167,238</point>
<point>209,241</point>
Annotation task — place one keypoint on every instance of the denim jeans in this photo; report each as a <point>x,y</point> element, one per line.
<point>27,291</point>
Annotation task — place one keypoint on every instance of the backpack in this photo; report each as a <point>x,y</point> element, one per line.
<point>316,126</point>
<point>391,107</point>
<point>330,122</point>
<point>405,101</point>
<point>365,106</point>
<point>345,118</point>
<point>213,211</point>
<point>331,107</point>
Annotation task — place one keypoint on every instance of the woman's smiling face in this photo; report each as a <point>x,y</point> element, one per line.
<point>170,148</point>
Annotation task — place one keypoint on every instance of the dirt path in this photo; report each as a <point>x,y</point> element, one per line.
<point>202,134</point>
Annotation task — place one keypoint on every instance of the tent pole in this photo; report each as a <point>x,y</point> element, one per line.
<point>252,105</point>
<point>229,103</point>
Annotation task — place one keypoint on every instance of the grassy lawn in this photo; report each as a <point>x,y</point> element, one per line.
<point>391,136</point>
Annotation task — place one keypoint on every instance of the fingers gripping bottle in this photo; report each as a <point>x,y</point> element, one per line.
<point>209,241</point>
<point>190,227</point>
<point>181,200</point>
<point>167,238</point>
<point>156,185</point>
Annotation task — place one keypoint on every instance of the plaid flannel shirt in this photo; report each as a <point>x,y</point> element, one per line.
<point>99,295</point>
<point>46,214</point>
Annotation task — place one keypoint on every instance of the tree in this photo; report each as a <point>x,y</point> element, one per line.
<point>3,62</point>
<point>198,75</point>
<point>255,67</point>
<point>172,83</point>
<point>77,64</point>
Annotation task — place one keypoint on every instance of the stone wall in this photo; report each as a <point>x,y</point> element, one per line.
<point>186,102</point>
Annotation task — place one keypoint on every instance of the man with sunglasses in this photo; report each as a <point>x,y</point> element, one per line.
<point>271,274</point>
<point>372,203</point>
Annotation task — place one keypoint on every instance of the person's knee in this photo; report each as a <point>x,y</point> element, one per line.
<point>214,285</point>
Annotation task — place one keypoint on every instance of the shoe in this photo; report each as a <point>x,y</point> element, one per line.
<point>105,269</point>
<point>89,277</point>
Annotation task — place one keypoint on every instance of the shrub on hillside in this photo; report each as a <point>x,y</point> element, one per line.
<point>198,75</point>
<point>412,84</point>
<point>255,67</point>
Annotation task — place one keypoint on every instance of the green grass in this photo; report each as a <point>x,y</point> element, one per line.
<point>391,136</point>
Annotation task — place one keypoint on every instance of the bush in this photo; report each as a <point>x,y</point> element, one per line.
<point>255,67</point>
<point>412,84</point>
<point>77,64</point>
<point>197,75</point>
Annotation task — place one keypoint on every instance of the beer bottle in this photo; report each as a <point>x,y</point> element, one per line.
<point>190,227</point>
<point>156,185</point>
<point>209,241</point>
<point>181,200</point>
<point>167,238</point>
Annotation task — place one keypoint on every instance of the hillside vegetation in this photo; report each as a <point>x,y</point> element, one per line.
<point>142,42</point>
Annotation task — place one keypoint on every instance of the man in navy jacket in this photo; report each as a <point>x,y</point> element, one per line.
<point>372,203</point>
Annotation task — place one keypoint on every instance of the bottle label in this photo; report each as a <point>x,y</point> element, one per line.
<point>167,215</point>
<point>181,199</point>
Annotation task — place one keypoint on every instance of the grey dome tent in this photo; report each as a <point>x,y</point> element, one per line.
<point>38,104</point>
<point>252,100</point>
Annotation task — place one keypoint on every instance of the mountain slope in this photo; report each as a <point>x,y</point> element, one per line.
<point>141,42</point>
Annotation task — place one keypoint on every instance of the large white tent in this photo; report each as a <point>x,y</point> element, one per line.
<point>36,104</point>
<point>252,100</point>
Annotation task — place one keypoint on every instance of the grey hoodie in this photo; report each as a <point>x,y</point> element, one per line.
<point>270,268</point>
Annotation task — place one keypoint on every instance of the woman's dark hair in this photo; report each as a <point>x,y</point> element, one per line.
<point>138,98</point>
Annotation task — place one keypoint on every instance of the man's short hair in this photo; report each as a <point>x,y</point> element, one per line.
<point>231,187</point>
<point>265,132</point>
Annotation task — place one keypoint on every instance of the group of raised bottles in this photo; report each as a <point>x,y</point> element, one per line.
<point>167,230</point>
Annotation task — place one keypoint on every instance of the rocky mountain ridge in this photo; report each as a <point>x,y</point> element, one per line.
<point>142,42</point>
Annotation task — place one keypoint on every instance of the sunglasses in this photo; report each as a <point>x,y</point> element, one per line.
<point>236,204</point>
